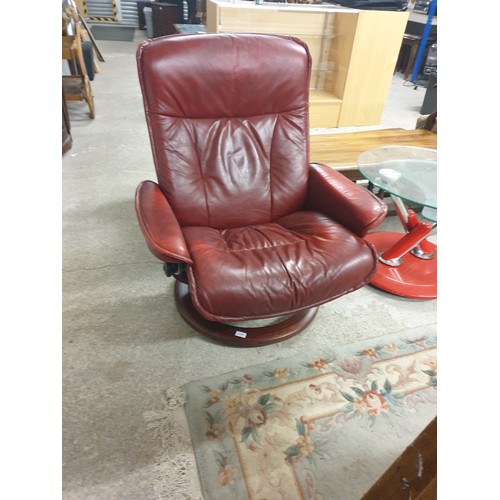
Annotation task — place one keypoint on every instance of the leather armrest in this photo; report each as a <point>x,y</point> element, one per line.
<point>159,224</point>
<point>343,200</point>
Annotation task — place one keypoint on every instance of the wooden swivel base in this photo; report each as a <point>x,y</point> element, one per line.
<point>238,335</point>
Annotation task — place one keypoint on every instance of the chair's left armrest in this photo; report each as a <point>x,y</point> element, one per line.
<point>159,224</point>
<point>342,199</point>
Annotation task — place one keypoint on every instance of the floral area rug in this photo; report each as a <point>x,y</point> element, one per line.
<point>320,426</point>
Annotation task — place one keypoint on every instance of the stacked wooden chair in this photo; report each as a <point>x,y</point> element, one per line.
<point>76,86</point>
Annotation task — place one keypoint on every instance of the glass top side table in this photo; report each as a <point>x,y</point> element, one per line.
<point>407,261</point>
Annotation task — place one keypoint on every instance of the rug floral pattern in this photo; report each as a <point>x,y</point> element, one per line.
<point>312,427</point>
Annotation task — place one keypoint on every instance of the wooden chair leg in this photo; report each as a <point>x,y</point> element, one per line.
<point>411,60</point>
<point>89,98</point>
<point>97,68</point>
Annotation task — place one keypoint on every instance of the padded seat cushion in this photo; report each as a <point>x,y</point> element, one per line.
<point>295,262</point>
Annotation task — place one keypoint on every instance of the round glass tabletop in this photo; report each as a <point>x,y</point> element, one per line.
<point>407,172</point>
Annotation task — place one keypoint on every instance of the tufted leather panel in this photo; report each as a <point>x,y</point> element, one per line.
<point>297,261</point>
<point>224,150</point>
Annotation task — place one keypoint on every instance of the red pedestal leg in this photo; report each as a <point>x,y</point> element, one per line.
<point>407,242</point>
<point>413,222</point>
<point>414,278</point>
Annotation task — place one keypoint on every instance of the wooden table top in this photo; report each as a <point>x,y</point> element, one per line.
<point>341,151</point>
<point>415,470</point>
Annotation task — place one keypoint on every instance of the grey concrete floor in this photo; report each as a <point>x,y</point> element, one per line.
<point>123,341</point>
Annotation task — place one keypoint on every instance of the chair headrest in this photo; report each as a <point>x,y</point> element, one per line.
<point>224,75</point>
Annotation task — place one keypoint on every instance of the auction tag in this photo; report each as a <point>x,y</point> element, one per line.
<point>242,335</point>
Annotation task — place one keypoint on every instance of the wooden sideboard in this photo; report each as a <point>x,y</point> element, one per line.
<point>353,52</point>
<point>165,15</point>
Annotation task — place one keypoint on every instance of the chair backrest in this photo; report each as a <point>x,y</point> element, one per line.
<point>228,120</point>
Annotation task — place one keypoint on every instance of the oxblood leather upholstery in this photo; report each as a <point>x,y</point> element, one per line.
<point>262,232</point>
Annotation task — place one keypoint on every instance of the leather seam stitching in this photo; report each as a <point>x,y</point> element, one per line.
<point>169,115</point>
<point>271,204</point>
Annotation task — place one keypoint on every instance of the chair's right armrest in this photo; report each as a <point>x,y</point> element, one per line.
<point>342,199</point>
<point>159,224</point>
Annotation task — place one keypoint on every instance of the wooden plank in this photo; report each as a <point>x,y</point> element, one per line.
<point>80,7</point>
<point>92,39</point>
<point>341,151</point>
<point>272,20</point>
<point>68,47</point>
<point>213,17</point>
<point>340,52</point>
<point>324,114</point>
<point>374,54</point>
<point>414,474</point>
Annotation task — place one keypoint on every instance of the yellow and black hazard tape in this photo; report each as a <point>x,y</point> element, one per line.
<point>114,10</point>
<point>93,18</point>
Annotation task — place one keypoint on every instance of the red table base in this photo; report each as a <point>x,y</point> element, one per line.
<point>415,278</point>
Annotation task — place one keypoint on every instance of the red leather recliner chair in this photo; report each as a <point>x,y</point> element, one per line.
<point>238,215</point>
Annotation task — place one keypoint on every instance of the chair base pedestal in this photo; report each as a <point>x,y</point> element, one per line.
<point>414,278</point>
<point>240,336</point>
